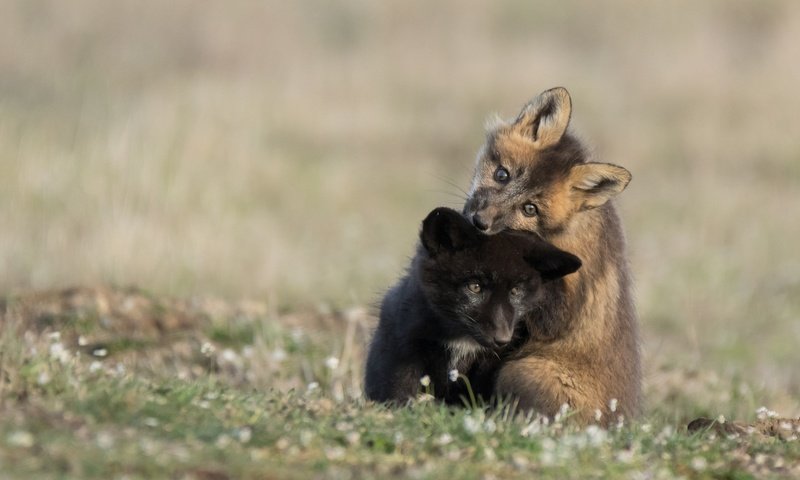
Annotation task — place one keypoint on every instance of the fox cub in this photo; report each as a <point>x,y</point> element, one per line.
<point>460,302</point>
<point>583,350</point>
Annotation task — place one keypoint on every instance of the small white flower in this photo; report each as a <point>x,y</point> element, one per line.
<point>699,464</point>
<point>105,440</point>
<point>100,352</point>
<point>444,439</point>
<point>595,435</point>
<point>598,415</point>
<point>151,422</point>
<point>452,375</point>
<point>531,429</point>
<point>312,386</point>
<point>425,381</point>
<point>334,453</point>
<point>764,413</point>
<point>229,356</point>
<point>561,413</point>
<point>624,456</point>
<point>82,341</point>
<point>352,438</point>
<point>207,349</point>
<point>548,453</point>
<point>425,397</point>
<point>612,405</point>
<point>490,426</point>
<point>332,363</point>
<point>60,353</point>
<point>721,419</point>
<point>471,425</point>
<point>21,438</point>
<point>244,434</point>
<point>43,378</point>
<point>278,355</point>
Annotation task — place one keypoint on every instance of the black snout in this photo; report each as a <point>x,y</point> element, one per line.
<point>503,329</point>
<point>479,223</point>
<point>502,339</point>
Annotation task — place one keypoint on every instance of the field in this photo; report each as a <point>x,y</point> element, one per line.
<point>201,203</point>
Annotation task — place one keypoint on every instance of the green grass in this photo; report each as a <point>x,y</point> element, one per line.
<point>271,403</point>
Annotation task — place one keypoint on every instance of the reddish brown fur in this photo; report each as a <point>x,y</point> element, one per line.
<point>595,357</point>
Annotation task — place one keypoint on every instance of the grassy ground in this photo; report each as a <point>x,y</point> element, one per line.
<point>101,383</point>
<point>286,152</point>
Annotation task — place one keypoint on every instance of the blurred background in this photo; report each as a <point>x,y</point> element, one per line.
<point>287,151</point>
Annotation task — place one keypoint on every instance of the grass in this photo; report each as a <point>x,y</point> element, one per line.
<point>272,403</point>
<point>280,156</point>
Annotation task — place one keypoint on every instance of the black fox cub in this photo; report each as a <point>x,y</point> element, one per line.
<point>459,303</point>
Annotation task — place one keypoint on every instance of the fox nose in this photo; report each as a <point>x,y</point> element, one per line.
<point>480,223</point>
<point>503,334</point>
<point>502,338</point>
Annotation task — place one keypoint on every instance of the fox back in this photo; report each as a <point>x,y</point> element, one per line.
<point>534,175</point>
<point>462,299</point>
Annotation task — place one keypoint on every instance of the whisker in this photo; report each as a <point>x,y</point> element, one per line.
<point>452,184</point>
<point>452,194</point>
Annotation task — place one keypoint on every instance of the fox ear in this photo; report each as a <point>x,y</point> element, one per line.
<point>596,183</point>
<point>545,118</point>
<point>552,262</point>
<point>445,230</point>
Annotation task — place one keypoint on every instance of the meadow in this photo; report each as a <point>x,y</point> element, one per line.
<point>201,203</point>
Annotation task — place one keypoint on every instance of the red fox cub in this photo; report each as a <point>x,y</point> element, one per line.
<point>583,348</point>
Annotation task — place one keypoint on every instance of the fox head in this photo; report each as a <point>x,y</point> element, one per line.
<point>531,175</point>
<point>481,285</point>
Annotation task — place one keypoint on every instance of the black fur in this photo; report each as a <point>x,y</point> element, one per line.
<point>433,306</point>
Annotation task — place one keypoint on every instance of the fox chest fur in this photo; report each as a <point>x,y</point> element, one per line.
<point>583,349</point>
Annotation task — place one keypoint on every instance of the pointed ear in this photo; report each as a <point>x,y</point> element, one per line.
<point>594,184</point>
<point>545,118</point>
<point>551,262</point>
<point>445,230</point>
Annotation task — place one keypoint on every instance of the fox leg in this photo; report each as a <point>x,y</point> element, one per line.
<point>543,385</point>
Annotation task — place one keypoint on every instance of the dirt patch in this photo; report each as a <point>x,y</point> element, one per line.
<point>782,428</point>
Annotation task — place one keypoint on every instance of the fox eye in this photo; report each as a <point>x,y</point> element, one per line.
<point>530,210</point>
<point>516,291</point>
<point>474,287</point>
<point>501,175</point>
